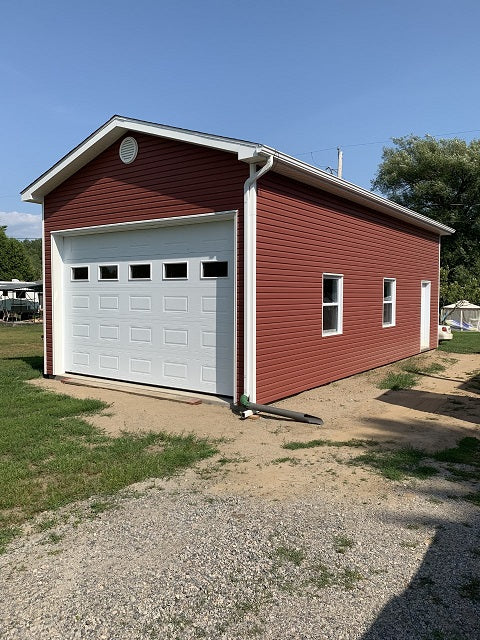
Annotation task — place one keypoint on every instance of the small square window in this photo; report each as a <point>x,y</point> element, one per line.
<point>175,271</point>
<point>215,269</point>
<point>20,295</point>
<point>79,273</point>
<point>108,272</point>
<point>5,294</point>
<point>140,271</point>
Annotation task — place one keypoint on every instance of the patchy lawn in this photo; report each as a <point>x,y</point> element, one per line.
<point>50,456</point>
<point>462,342</point>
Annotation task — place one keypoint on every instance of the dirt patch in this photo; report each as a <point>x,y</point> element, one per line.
<point>435,414</point>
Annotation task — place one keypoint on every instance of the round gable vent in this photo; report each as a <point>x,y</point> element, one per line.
<point>128,150</point>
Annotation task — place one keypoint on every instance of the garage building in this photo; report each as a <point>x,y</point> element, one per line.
<point>192,261</point>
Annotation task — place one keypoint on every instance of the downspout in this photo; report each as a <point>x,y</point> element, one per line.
<point>250,278</point>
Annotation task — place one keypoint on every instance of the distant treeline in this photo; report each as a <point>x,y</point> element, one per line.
<point>20,259</point>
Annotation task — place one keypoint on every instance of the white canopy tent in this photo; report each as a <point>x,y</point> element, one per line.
<point>462,315</point>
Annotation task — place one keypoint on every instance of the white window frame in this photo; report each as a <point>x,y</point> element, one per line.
<point>393,302</point>
<point>202,277</point>
<point>79,266</point>
<point>138,264</point>
<point>175,262</point>
<point>108,279</point>
<point>339,304</point>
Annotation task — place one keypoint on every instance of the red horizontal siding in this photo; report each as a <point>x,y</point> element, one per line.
<point>303,233</point>
<point>167,178</point>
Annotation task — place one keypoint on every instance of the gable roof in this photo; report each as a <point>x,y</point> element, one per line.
<point>250,152</point>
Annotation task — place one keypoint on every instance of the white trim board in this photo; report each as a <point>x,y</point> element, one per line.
<point>146,224</point>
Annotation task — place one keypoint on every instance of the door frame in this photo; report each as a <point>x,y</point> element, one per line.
<point>425,314</point>
<point>57,274</point>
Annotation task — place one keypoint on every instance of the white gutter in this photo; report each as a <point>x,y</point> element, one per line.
<point>250,278</point>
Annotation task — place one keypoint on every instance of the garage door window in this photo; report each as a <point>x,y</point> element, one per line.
<point>140,271</point>
<point>79,273</point>
<point>215,269</point>
<point>108,272</point>
<point>175,271</point>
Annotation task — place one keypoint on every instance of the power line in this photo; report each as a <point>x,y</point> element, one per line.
<point>364,144</point>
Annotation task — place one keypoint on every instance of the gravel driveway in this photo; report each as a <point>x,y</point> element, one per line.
<point>174,562</point>
<point>264,542</point>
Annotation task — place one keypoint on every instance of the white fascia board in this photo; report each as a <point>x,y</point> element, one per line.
<point>304,172</point>
<point>112,131</point>
<point>240,147</point>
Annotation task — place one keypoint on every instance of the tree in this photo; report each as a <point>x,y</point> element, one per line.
<point>14,260</point>
<point>440,179</point>
<point>34,252</point>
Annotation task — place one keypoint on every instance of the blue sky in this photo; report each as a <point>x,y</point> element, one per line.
<point>304,77</point>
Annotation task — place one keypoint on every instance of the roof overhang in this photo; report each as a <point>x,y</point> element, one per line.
<point>249,152</point>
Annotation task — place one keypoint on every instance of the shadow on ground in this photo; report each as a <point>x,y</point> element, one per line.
<point>35,362</point>
<point>453,406</point>
<point>442,601</point>
<point>472,385</point>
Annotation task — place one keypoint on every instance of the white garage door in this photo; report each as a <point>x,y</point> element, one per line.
<point>153,306</point>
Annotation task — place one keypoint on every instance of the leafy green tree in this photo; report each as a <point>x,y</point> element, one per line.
<point>440,179</point>
<point>34,251</point>
<point>14,259</point>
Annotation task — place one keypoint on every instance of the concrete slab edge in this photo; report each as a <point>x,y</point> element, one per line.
<point>158,394</point>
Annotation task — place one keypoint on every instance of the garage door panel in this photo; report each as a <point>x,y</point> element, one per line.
<point>80,330</point>
<point>175,304</point>
<point>169,332</point>
<point>107,331</point>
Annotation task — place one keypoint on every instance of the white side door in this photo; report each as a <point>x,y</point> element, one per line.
<point>425,314</point>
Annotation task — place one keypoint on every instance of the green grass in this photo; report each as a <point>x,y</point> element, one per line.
<point>284,460</point>
<point>467,451</point>
<point>290,554</point>
<point>420,367</point>
<point>50,456</point>
<point>462,342</point>
<point>398,380</point>
<point>342,544</point>
<point>396,465</point>
<point>407,377</point>
<point>324,577</point>
<point>409,462</point>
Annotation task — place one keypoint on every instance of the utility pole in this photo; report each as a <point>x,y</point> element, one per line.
<point>339,162</point>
